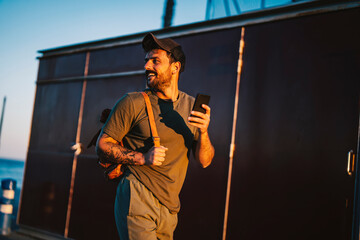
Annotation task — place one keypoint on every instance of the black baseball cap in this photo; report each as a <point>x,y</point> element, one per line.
<point>150,42</point>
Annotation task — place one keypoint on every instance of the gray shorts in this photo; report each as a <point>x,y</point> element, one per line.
<point>138,213</point>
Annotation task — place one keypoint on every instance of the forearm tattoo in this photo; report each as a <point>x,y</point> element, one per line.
<point>118,154</point>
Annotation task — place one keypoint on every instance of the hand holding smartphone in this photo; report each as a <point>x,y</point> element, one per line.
<point>200,99</point>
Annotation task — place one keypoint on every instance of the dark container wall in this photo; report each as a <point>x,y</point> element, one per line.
<point>210,69</point>
<point>117,59</point>
<point>47,178</point>
<point>298,118</point>
<point>62,67</point>
<point>56,114</point>
<point>45,197</point>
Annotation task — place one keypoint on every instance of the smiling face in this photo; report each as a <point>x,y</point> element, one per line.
<point>158,69</point>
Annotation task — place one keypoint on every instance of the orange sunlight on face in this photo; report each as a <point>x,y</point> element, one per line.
<point>157,69</point>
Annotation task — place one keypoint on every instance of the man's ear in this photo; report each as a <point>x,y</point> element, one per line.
<point>177,67</point>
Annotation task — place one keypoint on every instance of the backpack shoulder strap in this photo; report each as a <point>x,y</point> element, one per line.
<point>153,129</point>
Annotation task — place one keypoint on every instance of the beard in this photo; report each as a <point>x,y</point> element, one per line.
<point>160,81</point>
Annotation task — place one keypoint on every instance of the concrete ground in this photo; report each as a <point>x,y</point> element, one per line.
<point>23,233</point>
<point>17,236</point>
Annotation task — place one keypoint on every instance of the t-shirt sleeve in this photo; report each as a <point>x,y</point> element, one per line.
<point>120,119</point>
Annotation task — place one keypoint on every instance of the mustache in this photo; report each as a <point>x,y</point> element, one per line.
<point>150,71</point>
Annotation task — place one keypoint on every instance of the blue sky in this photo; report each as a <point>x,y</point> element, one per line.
<point>27,26</point>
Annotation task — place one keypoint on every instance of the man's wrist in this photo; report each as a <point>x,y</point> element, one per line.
<point>141,159</point>
<point>203,133</point>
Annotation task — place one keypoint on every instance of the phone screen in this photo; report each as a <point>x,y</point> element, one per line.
<point>201,99</point>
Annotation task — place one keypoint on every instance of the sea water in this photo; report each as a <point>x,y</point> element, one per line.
<point>12,169</point>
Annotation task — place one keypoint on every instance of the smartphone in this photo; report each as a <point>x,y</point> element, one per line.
<point>201,99</point>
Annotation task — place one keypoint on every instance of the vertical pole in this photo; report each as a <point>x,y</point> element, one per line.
<point>232,145</point>
<point>262,4</point>
<point>208,9</point>
<point>168,13</point>
<point>77,143</point>
<point>227,8</point>
<point>2,115</point>
<point>237,6</point>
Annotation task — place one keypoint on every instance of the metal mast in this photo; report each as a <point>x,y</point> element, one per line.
<point>168,13</point>
<point>2,115</point>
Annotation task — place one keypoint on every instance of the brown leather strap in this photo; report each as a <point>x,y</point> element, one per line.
<point>153,129</point>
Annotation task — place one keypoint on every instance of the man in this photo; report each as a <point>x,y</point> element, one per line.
<point>147,200</point>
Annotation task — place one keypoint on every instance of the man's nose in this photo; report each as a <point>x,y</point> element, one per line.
<point>147,65</point>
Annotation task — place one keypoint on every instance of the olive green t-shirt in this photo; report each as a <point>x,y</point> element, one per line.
<point>129,122</point>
